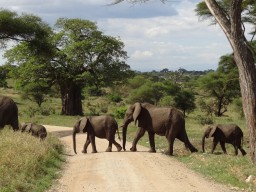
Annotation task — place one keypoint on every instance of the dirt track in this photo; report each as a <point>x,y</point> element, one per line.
<point>124,171</point>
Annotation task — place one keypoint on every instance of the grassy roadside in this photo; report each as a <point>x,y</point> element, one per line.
<point>26,163</point>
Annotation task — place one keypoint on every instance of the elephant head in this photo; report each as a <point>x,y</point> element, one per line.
<point>208,133</point>
<point>80,126</point>
<point>131,114</point>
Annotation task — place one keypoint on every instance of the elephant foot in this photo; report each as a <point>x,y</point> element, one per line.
<point>168,153</point>
<point>108,149</point>
<point>119,148</point>
<point>152,151</point>
<point>133,149</point>
<point>84,151</point>
<point>94,151</point>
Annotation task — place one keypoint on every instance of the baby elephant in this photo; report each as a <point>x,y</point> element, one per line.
<point>35,130</point>
<point>229,133</point>
<point>103,126</point>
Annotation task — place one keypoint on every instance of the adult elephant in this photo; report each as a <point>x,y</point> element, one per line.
<point>35,130</point>
<point>103,126</point>
<point>224,133</point>
<point>163,121</point>
<point>8,113</point>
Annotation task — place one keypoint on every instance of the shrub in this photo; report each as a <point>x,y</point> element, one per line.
<point>120,112</point>
<point>115,97</point>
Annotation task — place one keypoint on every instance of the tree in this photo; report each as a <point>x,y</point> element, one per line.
<point>85,56</point>
<point>228,15</point>
<point>185,100</point>
<point>222,88</point>
<point>24,28</point>
<point>82,56</point>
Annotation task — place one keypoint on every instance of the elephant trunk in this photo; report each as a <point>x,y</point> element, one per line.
<point>124,135</point>
<point>74,140</point>
<point>203,142</point>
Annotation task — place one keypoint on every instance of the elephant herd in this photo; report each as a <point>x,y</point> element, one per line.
<point>163,121</point>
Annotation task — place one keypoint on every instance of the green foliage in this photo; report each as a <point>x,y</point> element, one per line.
<point>120,112</point>
<point>115,97</point>
<point>166,101</point>
<point>204,120</point>
<point>222,86</point>
<point>35,163</point>
<point>185,100</point>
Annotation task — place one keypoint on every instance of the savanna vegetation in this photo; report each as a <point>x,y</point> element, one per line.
<point>55,75</point>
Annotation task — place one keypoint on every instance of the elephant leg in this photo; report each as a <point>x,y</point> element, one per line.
<point>109,149</point>
<point>139,134</point>
<point>118,146</point>
<point>92,139</point>
<point>242,150</point>
<point>151,137</point>
<point>214,144</point>
<point>222,144</point>
<point>87,143</point>
<point>184,138</point>
<point>170,149</point>
<point>239,146</point>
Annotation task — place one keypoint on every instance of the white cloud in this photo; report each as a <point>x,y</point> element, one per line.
<point>141,55</point>
<point>169,36</point>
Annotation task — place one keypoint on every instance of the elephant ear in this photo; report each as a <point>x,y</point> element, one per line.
<point>28,127</point>
<point>136,111</point>
<point>83,123</point>
<point>213,129</point>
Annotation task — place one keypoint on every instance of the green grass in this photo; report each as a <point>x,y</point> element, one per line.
<point>26,163</point>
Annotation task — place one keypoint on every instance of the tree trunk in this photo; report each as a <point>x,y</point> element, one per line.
<point>243,56</point>
<point>71,99</point>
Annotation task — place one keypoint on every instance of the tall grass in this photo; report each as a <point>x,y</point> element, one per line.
<point>26,163</point>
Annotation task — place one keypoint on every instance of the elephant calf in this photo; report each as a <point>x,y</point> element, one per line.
<point>103,126</point>
<point>35,130</point>
<point>229,133</point>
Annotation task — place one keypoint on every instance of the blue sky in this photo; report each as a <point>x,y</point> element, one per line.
<point>156,35</point>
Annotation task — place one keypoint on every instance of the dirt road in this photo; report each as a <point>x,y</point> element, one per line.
<point>124,171</point>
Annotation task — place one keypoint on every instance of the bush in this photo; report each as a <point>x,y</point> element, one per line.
<point>204,120</point>
<point>115,97</point>
<point>120,112</point>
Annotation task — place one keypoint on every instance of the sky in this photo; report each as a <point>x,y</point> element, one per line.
<point>156,35</point>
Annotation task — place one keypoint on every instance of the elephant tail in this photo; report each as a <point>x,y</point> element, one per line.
<point>118,134</point>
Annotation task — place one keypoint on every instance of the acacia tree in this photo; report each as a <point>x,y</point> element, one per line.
<point>228,15</point>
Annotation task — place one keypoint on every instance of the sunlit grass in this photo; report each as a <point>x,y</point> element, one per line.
<point>26,163</point>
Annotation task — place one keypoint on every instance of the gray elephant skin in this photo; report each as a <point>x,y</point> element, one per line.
<point>35,130</point>
<point>224,133</point>
<point>8,113</point>
<point>163,121</point>
<point>104,127</point>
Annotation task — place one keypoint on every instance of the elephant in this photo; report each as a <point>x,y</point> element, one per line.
<point>8,113</point>
<point>104,127</point>
<point>35,130</point>
<point>163,121</point>
<point>224,133</point>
